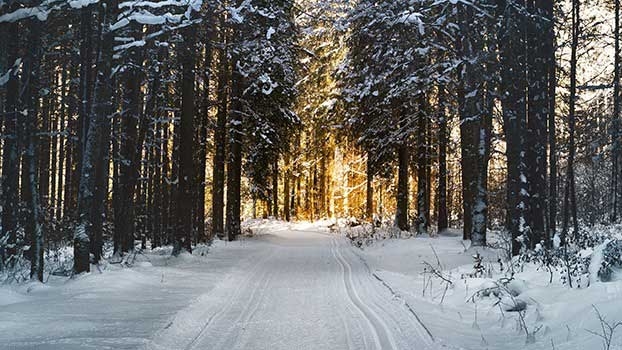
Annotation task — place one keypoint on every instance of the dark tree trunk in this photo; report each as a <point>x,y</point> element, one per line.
<point>401,213</point>
<point>475,116</point>
<point>234,163</point>
<point>275,188</point>
<point>183,234</point>
<point>132,134</point>
<point>101,112</point>
<point>287,178</point>
<point>166,184</point>
<point>514,85</point>
<point>235,132</point>
<point>10,151</point>
<point>92,195</point>
<point>31,71</point>
<point>538,105</point>
<point>322,184</point>
<point>84,93</point>
<point>615,152</point>
<point>442,163</point>
<point>421,166</point>
<point>220,141</point>
<point>570,202</point>
<point>552,83</point>
<point>43,147</point>
<point>369,190</point>
<point>62,170</point>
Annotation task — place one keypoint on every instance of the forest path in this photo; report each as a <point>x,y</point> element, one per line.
<point>300,290</point>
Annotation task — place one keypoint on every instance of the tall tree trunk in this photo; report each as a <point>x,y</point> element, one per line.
<point>10,152</point>
<point>467,139</point>
<point>102,108</point>
<point>570,202</point>
<point>422,163</point>
<point>235,132</point>
<point>369,190</point>
<point>203,133</point>
<point>287,178</point>
<point>220,139</point>
<point>514,85</point>
<point>166,185</point>
<point>441,216</point>
<point>615,152</point>
<point>401,213</point>
<point>234,162</point>
<point>90,199</point>
<point>475,117</point>
<point>552,83</point>
<point>183,234</point>
<point>84,93</point>
<point>132,134</point>
<point>275,188</point>
<point>63,146</point>
<point>31,71</point>
<point>538,105</point>
<point>322,191</point>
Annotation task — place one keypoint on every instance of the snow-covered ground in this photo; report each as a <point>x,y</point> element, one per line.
<point>299,286</point>
<point>461,316</point>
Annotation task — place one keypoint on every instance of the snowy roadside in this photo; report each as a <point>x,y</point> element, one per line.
<point>118,308</point>
<point>467,314</point>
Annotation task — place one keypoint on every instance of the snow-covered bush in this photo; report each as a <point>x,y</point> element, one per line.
<point>611,260</point>
<point>574,262</point>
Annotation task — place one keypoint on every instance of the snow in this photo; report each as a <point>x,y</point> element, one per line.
<point>136,43</point>
<point>301,286</point>
<point>270,32</point>
<point>412,18</point>
<point>562,314</point>
<point>78,4</point>
<point>4,78</point>
<point>40,13</point>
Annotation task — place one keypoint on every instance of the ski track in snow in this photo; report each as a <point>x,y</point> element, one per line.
<point>309,290</point>
<point>383,338</point>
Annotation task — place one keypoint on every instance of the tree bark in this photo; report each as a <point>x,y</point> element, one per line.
<point>234,163</point>
<point>538,105</point>
<point>132,133</point>
<point>552,83</point>
<point>275,188</point>
<point>442,223</point>
<point>570,202</point>
<point>514,87</point>
<point>286,187</point>
<point>31,71</point>
<point>369,190</point>
<point>615,152</point>
<point>10,152</point>
<point>183,234</point>
<point>422,164</point>
<point>401,213</point>
<point>220,139</point>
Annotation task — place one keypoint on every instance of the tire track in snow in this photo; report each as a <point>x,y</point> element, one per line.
<point>383,337</point>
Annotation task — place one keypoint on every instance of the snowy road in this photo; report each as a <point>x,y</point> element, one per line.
<point>303,290</point>
<point>297,287</point>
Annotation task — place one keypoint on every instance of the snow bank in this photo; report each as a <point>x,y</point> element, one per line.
<point>476,309</point>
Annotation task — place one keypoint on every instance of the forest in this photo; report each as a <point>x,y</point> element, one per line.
<point>131,127</point>
<point>171,121</point>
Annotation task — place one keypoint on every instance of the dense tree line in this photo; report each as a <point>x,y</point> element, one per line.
<point>168,122</point>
